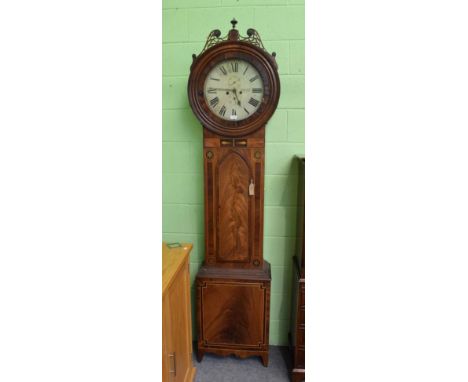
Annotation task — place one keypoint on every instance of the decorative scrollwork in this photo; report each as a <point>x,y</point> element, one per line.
<point>215,38</point>
<point>254,38</point>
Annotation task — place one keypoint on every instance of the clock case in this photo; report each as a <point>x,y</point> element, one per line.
<point>233,284</point>
<point>234,46</point>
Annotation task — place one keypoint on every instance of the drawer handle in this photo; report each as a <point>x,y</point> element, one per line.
<point>173,370</point>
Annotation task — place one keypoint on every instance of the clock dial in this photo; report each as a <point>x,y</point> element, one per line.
<point>233,90</point>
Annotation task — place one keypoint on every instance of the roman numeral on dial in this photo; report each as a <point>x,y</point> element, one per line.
<point>253,78</point>
<point>211,90</point>
<point>234,66</point>
<point>223,70</point>
<point>233,112</point>
<point>214,101</point>
<point>254,102</point>
<point>256,90</point>
<point>222,111</point>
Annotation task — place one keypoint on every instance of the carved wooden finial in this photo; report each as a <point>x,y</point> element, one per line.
<point>233,34</point>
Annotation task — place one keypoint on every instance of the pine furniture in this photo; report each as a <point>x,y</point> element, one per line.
<point>176,320</point>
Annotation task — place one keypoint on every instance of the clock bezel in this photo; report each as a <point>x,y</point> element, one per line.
<point>214,71</point>
<point>229,50</point>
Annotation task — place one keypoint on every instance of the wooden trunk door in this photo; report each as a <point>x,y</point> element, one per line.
<point>233,222</point>
<point>234,206</point>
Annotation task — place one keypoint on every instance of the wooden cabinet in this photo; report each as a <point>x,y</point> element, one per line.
<point>297,332</point>
<point>176,320</point>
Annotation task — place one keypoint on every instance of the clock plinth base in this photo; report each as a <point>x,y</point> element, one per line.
<point>233,311</point>
<point>235,352</point>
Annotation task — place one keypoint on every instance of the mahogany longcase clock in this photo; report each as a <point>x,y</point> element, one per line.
<point>233,90</point>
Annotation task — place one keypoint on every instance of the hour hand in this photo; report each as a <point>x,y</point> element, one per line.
<point>237,98</point>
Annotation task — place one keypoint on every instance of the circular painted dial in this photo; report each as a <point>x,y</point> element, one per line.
<point>233,90</point>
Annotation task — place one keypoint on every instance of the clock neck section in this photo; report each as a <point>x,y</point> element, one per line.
<point>234,170</point>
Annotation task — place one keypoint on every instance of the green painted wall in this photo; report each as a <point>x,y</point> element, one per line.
<point>186,24</point>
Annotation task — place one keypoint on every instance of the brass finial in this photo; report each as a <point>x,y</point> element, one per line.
<point>233,22</point>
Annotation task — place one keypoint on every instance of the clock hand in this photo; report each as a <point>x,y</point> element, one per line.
<point>237,98</point>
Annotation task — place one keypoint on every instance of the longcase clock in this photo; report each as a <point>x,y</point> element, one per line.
<point>233,90</point>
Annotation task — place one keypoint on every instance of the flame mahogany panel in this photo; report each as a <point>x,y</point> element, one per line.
<point>237,315</point>
<point>234,207</point>
<point>233,218</point>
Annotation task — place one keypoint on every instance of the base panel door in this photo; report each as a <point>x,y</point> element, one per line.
<point>233,314</point>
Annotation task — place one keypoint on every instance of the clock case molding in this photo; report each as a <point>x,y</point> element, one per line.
<point>233,284</point>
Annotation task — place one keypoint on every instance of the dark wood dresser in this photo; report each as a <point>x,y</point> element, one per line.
<point>297,331</point>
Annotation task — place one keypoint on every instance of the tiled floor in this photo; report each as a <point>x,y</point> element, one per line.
<point>214,368</point>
